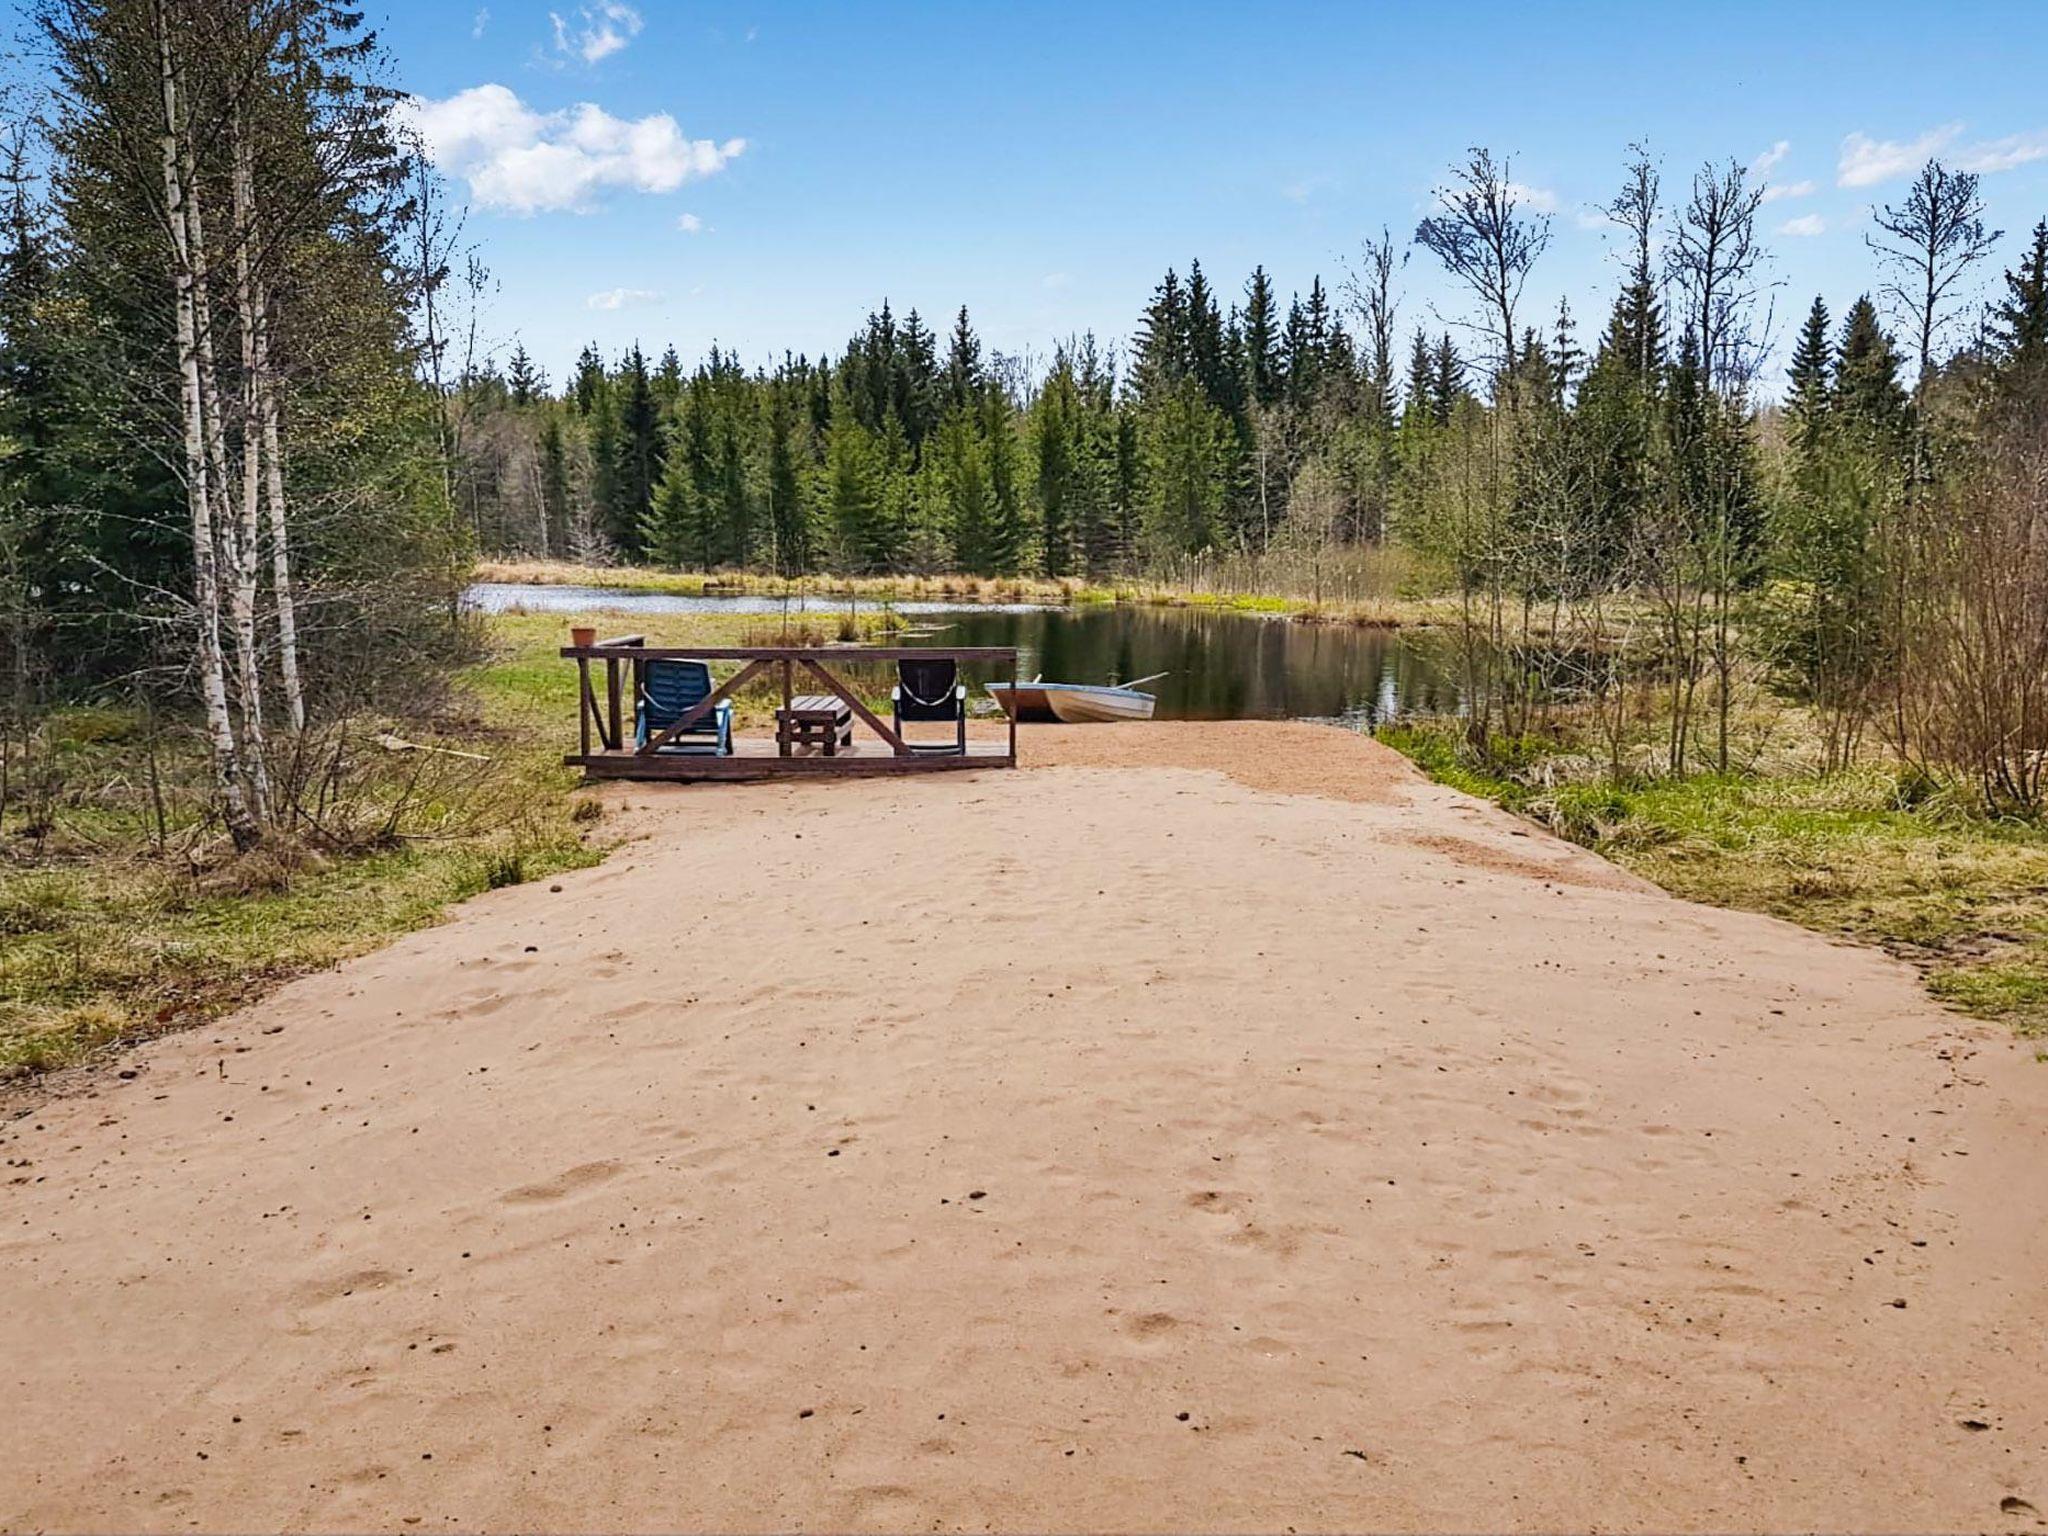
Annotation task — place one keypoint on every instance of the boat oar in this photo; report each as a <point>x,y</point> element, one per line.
<point>1152,679</point>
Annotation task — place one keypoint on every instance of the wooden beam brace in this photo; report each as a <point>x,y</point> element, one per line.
<point>866,715</point>
<point>701,708</point>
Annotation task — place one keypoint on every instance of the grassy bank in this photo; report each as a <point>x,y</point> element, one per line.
<point>1392,610</point>
<point>124,912</point>
<point>1868,855</point>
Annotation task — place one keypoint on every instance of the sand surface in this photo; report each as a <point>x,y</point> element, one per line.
<point>1204,1127</point>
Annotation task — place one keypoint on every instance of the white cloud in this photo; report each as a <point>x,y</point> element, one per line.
<point>601,30</point>
<point>1866,161</point>
<point>1768,161</point>
<point>1055,280</point>
<point>689,224</point>
<point>482,20</point>
<point>528,162</point>
<point>1778,191</point>
<point>2005,154</point>
<point>1804,227</point>
<point>1542,199</point>
<point>622,298</point>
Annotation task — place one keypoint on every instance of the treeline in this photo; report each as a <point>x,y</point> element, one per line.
<point>1638,537</point>
<point>1223,427</point>
<point>222,476</point>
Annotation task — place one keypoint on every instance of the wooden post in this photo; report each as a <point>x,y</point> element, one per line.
<point>583,701</point>
<point>1016,673</point>
<point>611,690</point>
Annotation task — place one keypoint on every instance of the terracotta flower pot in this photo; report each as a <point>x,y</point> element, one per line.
<point>578,635</point>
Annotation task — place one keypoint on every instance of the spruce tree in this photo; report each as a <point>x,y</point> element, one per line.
<point>1261,340</point>
<point>668,379</point>
<point>1447,382</point>
<point>1161,348</point>
<point>1418,395</point>
<point>590,379</point>
<point>1006,495</point>
<point>639,464</point>
<point>969,514</point>
<point>554,482</point>
<point>526,382</point>
<point>850,494</point>
<point>787,520</point>
<point>918,396</point>
<point>2019,325</point>
<point>963,364</point>
<point>1811,379</point>
<point>1867,397</point>
<point>1056,430</point>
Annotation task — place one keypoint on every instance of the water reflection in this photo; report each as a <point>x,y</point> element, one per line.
<point>1219,666</point>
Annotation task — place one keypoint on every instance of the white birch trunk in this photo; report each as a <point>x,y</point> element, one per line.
<point>234,527</point>
<point>220,725</point>
<point>262,386</point>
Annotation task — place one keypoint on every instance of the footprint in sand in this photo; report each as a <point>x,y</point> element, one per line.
<point>357,1282</point>
<point>582,1176</point>
<point>1151,1328</point>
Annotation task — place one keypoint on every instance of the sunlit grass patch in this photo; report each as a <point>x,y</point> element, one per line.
<point>1867,854</point>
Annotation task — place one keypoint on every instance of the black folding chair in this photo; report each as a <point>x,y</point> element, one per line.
<point>929,689</point>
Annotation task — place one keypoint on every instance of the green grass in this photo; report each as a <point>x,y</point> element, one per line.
<point>1863,855</point>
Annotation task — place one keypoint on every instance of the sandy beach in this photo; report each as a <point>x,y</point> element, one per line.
<point>1203,1127</point>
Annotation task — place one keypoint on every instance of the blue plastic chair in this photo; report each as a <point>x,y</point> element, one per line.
<point>670,689</point>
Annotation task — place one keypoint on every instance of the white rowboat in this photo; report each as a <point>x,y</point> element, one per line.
<point>1074,703</point>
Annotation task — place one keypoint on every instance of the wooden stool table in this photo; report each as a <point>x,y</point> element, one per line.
<point>814,720</point>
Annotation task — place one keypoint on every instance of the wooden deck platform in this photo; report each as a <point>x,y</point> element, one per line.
<point>756,757</point>
<point>605,714</point>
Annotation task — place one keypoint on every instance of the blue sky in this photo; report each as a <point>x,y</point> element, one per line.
<point>763,174</point>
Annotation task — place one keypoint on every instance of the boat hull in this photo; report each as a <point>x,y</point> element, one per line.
<point>1073,703</point>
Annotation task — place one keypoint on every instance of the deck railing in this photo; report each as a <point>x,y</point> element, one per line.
<point>606,705</point>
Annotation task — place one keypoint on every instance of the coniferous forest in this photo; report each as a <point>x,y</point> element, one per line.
<point>250,445</point>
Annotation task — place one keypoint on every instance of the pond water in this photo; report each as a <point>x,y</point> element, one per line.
<point>1218,665</point>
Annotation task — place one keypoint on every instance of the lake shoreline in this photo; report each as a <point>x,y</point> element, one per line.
<point>1380,612</point>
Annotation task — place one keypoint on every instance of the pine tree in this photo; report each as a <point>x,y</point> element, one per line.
<point>1868,399</point>
<point>554,483</point>
<point>1205,349</point>
<point>731,504</point>
<point>606,472</point>
<point>963,364</point>
<point>590,379</point>
<point>638,464</point>
<point>1181,438</point>
<point>2019,325</point>
<point>1056,432</point>
<point>1811,379</point>
<point>668,379</point>
<point>788,519</point>
<point>1161,349</point>
<point>850,493</point>
<point>918,395</point>
<point>1261,334</point>
<point>1566,360</point>
<point>527,383</point>
<point>969,507</point>
<point>1447,382</point>
<point>1418,395</point>
<point>1006,494</point>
